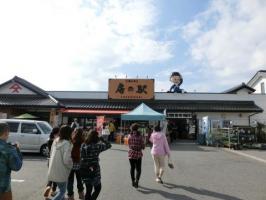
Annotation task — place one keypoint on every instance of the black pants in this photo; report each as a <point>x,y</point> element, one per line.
<point>111,137</point>
<point>135,164</point>
<point>70,183</point>
<point>52,184</point>
<point>92,195</point>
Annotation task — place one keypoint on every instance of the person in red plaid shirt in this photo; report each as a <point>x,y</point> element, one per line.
<point>135,144</point>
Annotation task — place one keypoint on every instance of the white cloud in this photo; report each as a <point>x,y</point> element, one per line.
<point>76,44</point>
<point>229,40</point>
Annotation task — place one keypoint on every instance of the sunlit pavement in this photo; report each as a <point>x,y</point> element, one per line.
<point>201,173</point>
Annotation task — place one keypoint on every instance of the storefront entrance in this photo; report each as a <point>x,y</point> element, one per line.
<point>181,126</point>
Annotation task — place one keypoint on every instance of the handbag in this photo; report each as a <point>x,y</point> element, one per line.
<point>170,163</point>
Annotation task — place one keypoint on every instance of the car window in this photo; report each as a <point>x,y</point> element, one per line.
<point>28,128</point>
<point>46,128</point>
<point>13,126</point>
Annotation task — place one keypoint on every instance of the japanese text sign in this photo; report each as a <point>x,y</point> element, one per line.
<point>131,89</point>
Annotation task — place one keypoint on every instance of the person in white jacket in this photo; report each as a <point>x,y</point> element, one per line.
<point>61,163</point>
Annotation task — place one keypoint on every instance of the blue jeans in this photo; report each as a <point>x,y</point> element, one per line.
<point>62,190</point>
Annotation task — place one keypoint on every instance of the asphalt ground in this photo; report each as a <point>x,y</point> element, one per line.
<point>200,173</point>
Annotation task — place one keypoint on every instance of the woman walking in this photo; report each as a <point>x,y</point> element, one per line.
<point>105,131</point>
<point>77,139</point>
<point>135,144</point>
<point>61,162</point>
<point>51,185</point>
<point>89,164</point>
<point>160,149</point>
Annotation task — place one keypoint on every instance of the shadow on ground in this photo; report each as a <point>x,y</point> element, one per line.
<point>164,194</point>
<point>33,157</point>
<point>189,147</point>
<point>200,192</point>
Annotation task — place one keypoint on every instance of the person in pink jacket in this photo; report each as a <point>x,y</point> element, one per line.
<point>160,149</point>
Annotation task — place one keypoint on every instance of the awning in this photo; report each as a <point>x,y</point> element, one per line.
<point>87,111</point>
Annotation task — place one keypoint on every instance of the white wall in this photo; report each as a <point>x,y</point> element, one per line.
<point>6,89</point>
<point>257,86</point>
<point>240,119</point>
<point>259,99</point>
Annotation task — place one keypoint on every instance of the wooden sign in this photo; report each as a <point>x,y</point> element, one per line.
<point>131,89</point>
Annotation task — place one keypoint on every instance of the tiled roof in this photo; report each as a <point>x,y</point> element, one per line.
<point>239,87</point>
<point>6,101</point>
<point>189,106</point>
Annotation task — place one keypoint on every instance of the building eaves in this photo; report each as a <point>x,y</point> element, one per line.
<point>255,77</point>
<point>27,101</point>
<point>160,105</point>
<point>239,87</point>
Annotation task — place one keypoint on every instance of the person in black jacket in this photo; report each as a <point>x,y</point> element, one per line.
<point>89,164</point>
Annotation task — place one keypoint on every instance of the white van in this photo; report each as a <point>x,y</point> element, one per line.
<point>32,135</point>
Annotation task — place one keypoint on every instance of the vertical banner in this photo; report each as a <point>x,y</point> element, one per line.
<point>52,119</point>
<point>99,123</point>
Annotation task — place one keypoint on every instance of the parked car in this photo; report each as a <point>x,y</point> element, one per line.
<point>32,135</point>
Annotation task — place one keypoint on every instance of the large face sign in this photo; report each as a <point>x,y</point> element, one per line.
<point>177,80</point>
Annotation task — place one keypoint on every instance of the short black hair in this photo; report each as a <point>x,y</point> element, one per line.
<point>177,74</point>
<point>3,128</point>
<point>157,128</point>
<point>134,127</point>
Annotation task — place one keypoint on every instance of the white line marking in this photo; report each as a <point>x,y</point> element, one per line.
<point>17,181</point>
<point>246,155</point>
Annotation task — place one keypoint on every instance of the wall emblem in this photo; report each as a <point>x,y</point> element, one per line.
<point>15,88</point>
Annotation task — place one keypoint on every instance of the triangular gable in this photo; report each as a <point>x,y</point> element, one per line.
<point>15,88</point>
<point>19,86</point>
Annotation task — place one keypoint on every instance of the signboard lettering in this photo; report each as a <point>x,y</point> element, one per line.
<point>131,89</point>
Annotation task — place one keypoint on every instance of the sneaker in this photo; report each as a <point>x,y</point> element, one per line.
<point>70,197</point>
<point>133,183</point>
<point>47,191</point>
<point>81,195</point>
<point>160,180</point>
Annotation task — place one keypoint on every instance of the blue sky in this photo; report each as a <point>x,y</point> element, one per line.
<point>79,44</point>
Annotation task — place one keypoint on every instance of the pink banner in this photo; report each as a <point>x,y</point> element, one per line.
<point>100,121</point>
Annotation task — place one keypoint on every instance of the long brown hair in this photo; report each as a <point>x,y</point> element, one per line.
<point>91,137</point>
<point>78,136</point>
<point>65,133</point>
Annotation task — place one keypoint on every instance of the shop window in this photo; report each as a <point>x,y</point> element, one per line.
<point>226,124</point>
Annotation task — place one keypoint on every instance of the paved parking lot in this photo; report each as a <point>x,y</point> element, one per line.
<point>201,173</point>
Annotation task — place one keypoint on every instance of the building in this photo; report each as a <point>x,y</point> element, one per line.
<point>240,105</point>
<point>258,82</point>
